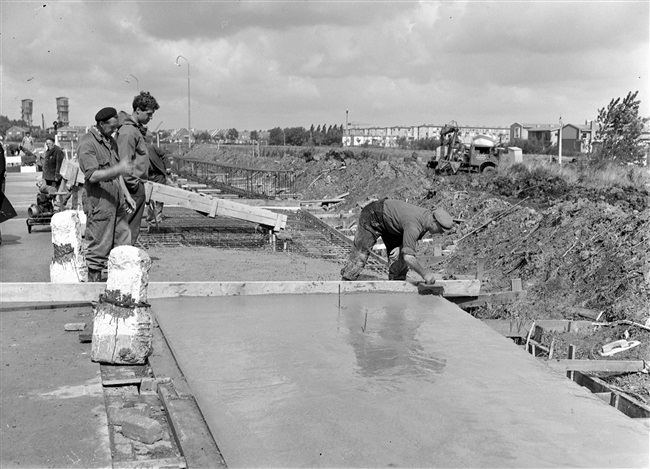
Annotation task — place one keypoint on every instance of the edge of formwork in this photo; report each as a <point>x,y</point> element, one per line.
<point>188,424</point>
<point>575,369</point>
<point>45,292</point>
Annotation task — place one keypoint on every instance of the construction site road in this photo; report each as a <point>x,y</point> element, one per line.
<point>372,380</point>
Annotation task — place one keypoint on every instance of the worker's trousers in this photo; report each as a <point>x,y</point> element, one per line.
<point>106,223</point>
<point>369,228</point>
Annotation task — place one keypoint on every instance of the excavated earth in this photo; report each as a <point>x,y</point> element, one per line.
<point>572,246</point>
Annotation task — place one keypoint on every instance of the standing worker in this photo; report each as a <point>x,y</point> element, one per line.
<point>107,203</point>
<point>401,225</point>
<point>158,171</point>
<point>27,142</point>
<point>52,161</point>
<point>132,145</point>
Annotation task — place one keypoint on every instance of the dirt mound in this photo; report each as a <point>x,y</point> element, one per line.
<point>571,245</point>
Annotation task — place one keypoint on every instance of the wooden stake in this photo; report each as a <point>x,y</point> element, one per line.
<point>572,355</point>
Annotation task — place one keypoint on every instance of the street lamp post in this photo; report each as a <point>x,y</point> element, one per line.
<point>559,144</point>
<point>189,114</point>
<point>137,83</point>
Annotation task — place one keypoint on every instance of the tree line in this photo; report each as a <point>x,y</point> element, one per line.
<point>617,138</point>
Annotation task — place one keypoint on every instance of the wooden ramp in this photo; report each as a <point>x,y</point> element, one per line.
<point>213,206</point>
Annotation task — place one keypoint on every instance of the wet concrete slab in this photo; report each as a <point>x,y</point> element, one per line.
<point>394,379</point>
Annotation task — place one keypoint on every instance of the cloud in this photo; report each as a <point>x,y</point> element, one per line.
<point>261,64</point>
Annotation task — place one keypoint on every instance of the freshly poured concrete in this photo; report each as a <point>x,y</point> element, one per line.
<point>384,380</point>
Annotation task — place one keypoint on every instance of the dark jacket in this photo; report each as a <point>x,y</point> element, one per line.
<point>157,164</point>
<point>52,161</point>
<point>131,144</point>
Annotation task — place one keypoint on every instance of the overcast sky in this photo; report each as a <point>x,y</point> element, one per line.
<point>264,64</point>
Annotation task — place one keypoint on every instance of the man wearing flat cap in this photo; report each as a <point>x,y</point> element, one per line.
<point>401,225</point>
<point>107,202</point>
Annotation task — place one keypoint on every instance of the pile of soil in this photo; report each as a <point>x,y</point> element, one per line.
<point>571,245</point>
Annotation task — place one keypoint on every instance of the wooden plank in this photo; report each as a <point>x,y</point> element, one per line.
<point>586,313</point>
<point>209,191</point>
<point>618,366</point>
<point>625,403</point>
<point>190,429</point>
<point>497,298</point>
<point>203,203</point>
<point>604,396</point>
<point>178,462</point>
<point>45,292</point>
<point>515,328</point>
<point>120,375</point>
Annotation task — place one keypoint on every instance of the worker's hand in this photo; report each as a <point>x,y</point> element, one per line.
<point>126,167</point>
<point>429,278</point>
<point>130,203</point>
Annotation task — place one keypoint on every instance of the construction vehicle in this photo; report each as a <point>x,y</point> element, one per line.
<point>482,155</point>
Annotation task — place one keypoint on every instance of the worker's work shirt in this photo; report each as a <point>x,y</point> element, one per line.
<point>97,152</point>
<point>408,221</point>
<point>131,144</point>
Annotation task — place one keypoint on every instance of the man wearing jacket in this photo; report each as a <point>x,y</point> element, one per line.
<point>131,145</point>
<point>401,225</point>
<point>107,202</point>
<point>52,161</point>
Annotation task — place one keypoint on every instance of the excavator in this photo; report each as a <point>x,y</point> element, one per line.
<point>482,155</point>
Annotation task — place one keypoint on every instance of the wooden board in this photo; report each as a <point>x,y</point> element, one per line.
<point>45,292</point>
<point>514,328</point>
<point>625,403</point>
<point>190,429</point>
<point>498,298</point>
<point>120,375</point>
<point>617,366</point>
<point>213,205</point>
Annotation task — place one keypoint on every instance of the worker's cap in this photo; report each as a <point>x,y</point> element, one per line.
<point>443,218</point>
<point>50,137</point>
<point>105,114</point>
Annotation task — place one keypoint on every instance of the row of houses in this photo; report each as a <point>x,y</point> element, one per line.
<point>578,137</point>
<point>575,137</point>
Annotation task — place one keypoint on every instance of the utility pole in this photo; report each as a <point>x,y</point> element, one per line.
<point>559,143</point>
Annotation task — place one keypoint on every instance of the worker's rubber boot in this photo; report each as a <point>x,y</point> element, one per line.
<point>95,275</point>
<point>354,265</point>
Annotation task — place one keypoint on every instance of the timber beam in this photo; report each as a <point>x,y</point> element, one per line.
<point>33,292</point>
<point>213,206</point>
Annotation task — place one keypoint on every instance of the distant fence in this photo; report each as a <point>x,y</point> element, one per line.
<point>246,182</point>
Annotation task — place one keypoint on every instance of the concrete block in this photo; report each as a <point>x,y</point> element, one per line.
<point>141,428</point>
<point>120,416</point>
<point>75,326</point>
<point>148,386</point>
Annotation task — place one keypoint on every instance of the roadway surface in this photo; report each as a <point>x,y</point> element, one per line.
<point>385,380</point>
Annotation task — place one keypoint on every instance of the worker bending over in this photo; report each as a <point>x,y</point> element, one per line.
<point>401,225</point>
